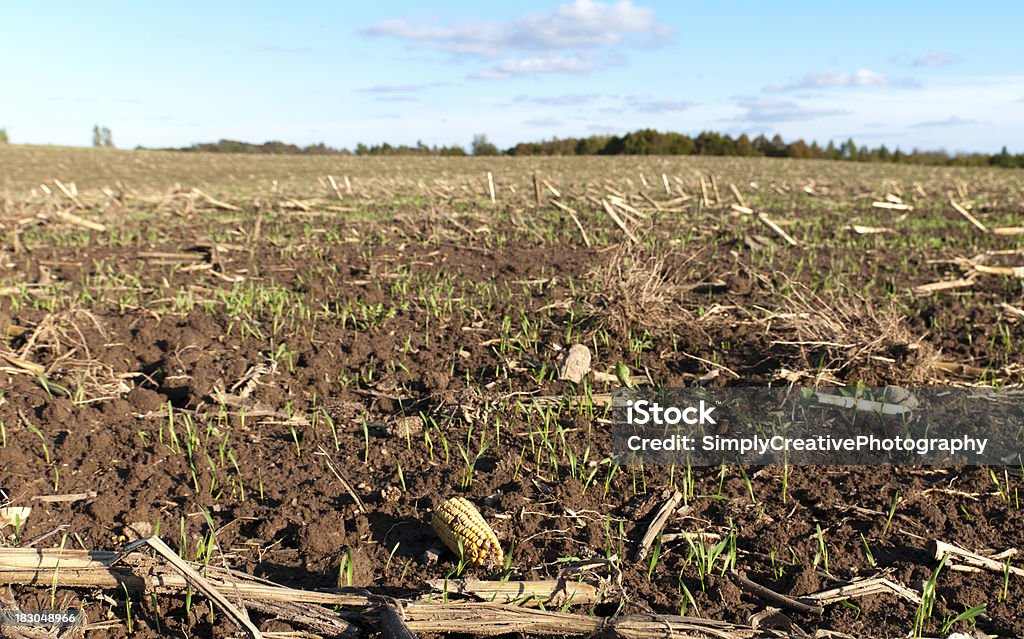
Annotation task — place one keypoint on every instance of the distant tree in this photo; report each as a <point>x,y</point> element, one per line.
<point>483,146</point>
<point>744,147</point>
<point>101,136</point>
<point>848,150</point>
<point>798,149</point>
<point>713,143</point>
<point>1004,158</point>
<point>760,144</point>
<point>591,145</point>
<point>6,140</point>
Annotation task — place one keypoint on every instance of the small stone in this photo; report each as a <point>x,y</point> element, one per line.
<point>390,494</point>
<point>901,396</point>
<point>14,515</point>
<point>403,427</point>
<point>138,530</point>
<point>575,364</point>
<point>431,556</point>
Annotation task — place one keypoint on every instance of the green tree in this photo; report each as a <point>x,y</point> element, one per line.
<point>4,139</point>
<point>483,146</point>
<point>798,149</point>
<point>849,150</point>
<point>1004,158</point>
<point>744,147</point>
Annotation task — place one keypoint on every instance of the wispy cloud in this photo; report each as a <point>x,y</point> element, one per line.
<point>934,59</point>
<point>397,98</point>
<point>573,38</point>
<point>765,111</point>
<point>659,106</point>
<point>566,99</point>
<point>545,122</point>
<point>402,88</point>
<point>612,103</point>
<point>950,121</point>
<point>81,99</point>
<point>830,78</point>
<point>929,59</point>
<point>869,134</point>
<point>276,48</point>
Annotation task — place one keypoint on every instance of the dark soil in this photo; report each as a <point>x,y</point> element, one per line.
<point>366,373</point>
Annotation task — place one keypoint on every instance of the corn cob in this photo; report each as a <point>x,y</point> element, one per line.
<point>463,529</point>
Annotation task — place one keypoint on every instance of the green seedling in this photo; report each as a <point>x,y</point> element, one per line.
<point>924,609</point>
<point>970,615</point>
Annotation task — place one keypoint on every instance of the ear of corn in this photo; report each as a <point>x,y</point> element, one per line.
<point>463,529</point>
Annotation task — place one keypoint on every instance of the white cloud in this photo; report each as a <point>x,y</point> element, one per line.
<point>573,38</point>
<point>830,78</point>
<point>538,65</point>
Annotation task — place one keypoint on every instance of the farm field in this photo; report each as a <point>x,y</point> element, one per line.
<point>281,365</point>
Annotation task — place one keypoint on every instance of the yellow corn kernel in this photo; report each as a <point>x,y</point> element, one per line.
<point>462,528</point>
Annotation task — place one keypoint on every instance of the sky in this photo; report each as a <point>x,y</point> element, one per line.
<point>931,75</point>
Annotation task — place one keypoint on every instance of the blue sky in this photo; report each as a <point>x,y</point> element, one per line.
<point>909,74</point>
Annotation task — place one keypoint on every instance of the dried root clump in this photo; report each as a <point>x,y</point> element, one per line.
<point>57,351</point>
<point>844,338</point>
<point>636,290</point>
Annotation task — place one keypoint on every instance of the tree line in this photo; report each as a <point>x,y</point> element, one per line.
<point>480,146</point>
<point>281,148</point>
<point>641,142</point>
<point>652,142</point>
<point>646,142</point>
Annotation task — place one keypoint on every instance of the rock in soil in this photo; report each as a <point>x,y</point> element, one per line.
<point>575,364</point>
